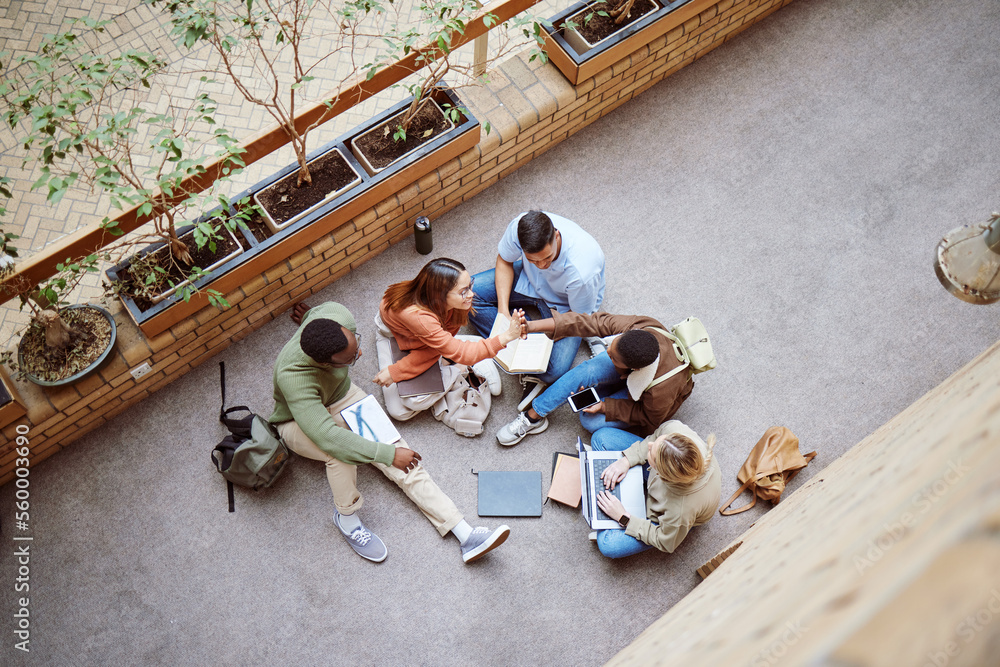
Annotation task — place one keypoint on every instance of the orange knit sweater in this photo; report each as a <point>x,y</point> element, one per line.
<point>421,332</point>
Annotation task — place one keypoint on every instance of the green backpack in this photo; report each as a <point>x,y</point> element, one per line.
<point>253,454</point>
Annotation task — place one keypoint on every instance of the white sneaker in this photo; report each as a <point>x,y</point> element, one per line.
<point>487,370</point>
<point>514,432</point>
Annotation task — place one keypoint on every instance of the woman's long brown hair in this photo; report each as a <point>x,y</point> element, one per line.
<point>429,290</point>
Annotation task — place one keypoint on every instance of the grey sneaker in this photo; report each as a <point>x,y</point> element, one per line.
<point>514,432</point>
<point>531,387</point>
<point>482,541</point>
<point>363,541</point>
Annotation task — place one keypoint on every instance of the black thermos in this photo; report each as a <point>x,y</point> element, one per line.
<point>422,235</point>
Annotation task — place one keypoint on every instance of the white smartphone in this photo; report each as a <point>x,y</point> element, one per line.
<point>583,399</point>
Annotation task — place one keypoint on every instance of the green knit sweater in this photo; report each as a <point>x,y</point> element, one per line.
<point>304,387</point>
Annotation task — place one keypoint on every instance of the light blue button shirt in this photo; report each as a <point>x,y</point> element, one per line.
<point>574,281</point>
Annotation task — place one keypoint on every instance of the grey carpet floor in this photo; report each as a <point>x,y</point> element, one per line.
<point>788,189</point>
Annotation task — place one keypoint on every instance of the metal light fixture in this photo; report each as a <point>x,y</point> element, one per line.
<point>967,261</point>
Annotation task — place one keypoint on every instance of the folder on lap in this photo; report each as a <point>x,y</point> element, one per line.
<point>428,382</point>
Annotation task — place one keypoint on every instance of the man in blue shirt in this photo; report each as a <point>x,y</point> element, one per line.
<point>550,263</point>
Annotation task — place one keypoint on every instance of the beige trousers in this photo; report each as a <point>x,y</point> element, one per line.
<point>343,477</point>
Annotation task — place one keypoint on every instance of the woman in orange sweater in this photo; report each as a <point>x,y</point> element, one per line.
<point>424,315</point>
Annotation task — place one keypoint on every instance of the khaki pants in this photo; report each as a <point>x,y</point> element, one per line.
<point>343,477</point>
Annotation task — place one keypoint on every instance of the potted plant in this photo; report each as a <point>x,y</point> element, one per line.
<point>599,21</point>
<point>65,100</point>
<point>428,112</point>
<point>251,38</point>
<point>591,35</point>
<point>252,41</point>
<point>62,343</point>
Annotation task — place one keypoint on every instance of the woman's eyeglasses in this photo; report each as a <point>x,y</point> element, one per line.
<point>466,292</point>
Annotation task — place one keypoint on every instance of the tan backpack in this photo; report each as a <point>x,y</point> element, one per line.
<point>772,464</point>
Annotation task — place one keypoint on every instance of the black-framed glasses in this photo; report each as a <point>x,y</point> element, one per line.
<point>357,353</point>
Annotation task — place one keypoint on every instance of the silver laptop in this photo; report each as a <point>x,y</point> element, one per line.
<point>631,490</point>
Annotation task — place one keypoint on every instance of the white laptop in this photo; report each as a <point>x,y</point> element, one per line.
<point>631,490</point>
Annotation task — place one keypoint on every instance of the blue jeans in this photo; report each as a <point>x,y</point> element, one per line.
<point>484,313</point>
<point>598,372</point>
<point>617,543</point>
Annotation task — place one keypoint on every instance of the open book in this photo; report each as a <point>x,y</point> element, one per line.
<point>523,355</point>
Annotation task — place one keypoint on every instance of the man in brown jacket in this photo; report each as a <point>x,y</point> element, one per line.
<point>632,377</point>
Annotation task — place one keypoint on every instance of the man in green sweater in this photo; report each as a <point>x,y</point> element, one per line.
<point>311,387</point>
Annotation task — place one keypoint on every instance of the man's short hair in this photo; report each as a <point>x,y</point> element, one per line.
<point>323,338</point>
<point>638,348</point>
<point>535,231</point>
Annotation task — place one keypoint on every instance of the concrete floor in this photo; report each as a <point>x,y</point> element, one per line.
<point>788,189</point>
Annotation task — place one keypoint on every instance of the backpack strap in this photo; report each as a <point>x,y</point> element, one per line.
<point>678,350</point>
<point>222,457</point>
<point>239,427</point>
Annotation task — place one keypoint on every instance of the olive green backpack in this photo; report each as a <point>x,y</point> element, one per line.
<point>252,455</point>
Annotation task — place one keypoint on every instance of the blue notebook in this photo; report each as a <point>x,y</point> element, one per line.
<point>510,493</point>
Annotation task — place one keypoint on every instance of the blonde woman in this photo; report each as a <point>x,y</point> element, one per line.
<point>683,484</point>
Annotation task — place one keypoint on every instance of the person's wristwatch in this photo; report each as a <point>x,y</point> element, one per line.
<point>623,520</point>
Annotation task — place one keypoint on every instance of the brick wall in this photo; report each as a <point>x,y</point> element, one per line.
<point>531,108</point>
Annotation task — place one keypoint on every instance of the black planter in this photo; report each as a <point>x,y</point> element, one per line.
<point>141,315</point>
<point>296,235</point>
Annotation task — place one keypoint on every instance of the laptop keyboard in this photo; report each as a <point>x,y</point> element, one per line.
<point>598,485</point>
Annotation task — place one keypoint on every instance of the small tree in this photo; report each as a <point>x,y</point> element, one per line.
<point>264,45</point>
<point>438,22</point>
<point>68,101</point>
<point>44,300</point>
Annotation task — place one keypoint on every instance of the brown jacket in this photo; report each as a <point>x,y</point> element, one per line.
<point>656,404</point>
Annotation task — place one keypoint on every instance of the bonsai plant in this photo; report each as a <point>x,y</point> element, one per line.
<point>60,344</point>
<point>66,101</point>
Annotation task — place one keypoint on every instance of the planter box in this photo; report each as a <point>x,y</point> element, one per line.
<point>321,220</point>
<point>369,167</point>
<point>170,299</point>
<point>579,61</point>
<point>11,405</point>
<point>581,44</point>
<point>352,164</point>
